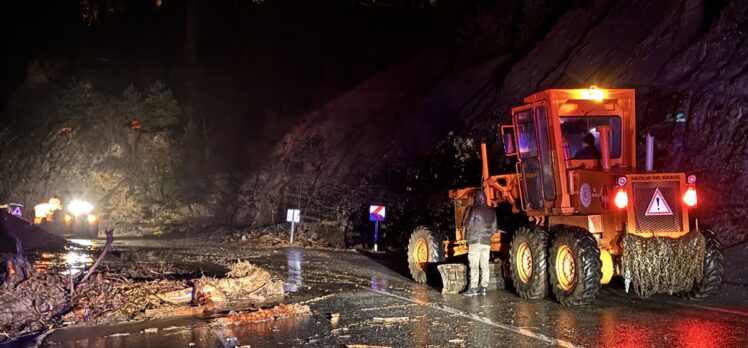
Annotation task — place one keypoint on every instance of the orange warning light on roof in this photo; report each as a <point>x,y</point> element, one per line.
<point>592,93</point>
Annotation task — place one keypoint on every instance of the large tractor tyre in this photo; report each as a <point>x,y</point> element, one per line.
<point>425,247</point>
<point>527,263</point>
<point>714,268</point>
<point>576,268</point>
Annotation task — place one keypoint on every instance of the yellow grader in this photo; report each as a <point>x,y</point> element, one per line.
<point>587,213</point>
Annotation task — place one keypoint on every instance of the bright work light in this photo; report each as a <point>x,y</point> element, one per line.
<point>78,207</point>
<point>593,93</point>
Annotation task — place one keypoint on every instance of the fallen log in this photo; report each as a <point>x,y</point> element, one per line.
<point>244,282</point>
<point>186,296</point>
<point>169,312</point>
<point>278,312</point>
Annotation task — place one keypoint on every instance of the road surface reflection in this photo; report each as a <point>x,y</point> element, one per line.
<point>293,279</point>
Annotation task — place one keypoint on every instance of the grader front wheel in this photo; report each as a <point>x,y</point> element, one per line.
<point>714,269</point>
<point>527,263</point>
<point>424,248</point>
<point>576,266</point>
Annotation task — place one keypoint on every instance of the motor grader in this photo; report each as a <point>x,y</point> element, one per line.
<point>585,214</point>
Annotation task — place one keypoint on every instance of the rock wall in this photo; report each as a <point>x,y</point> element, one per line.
<point>687,60</point>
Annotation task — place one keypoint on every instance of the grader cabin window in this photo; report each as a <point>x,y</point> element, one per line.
<point>574,129</point>
<point>534,152</point>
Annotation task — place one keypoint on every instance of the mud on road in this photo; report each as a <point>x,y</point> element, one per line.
<point>359,298</point>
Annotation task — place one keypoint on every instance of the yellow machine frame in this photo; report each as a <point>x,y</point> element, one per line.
<point>606,223</point>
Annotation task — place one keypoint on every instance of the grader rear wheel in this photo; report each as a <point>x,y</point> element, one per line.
<point>714,269</point>
<point>424,248</point>
<point>576,266</point>
<point>527,263</point>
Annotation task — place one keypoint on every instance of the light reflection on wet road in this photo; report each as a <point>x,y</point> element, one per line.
<point>365,292</point>
<point>293,281</point>
<point>71,262</point>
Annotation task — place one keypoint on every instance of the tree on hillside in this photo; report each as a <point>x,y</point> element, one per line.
<point>156,109</point>
<point>76,103</point>
<point>159,108</point>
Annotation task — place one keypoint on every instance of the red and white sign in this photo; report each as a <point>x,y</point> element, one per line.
<point>376,213</point>
<point>658,205</point>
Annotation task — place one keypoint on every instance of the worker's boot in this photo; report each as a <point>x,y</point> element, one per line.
<point>470,292</point>
<point>482,291</point>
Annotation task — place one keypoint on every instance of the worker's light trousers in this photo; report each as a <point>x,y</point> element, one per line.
<point>478,255</point>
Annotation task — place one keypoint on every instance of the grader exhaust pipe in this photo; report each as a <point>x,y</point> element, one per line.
<point>649,163</point>
<point>484,183</point>
<point>604,131</point>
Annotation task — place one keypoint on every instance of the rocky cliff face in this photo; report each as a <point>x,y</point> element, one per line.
<point>686,59</point>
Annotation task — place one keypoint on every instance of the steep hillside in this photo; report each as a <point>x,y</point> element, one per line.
<point>352,151</point>
<point>687,60</point>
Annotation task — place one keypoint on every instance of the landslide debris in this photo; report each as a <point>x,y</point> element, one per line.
<point>45,299</point>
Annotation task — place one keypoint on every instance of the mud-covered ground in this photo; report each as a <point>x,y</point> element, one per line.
<point>365,298</point>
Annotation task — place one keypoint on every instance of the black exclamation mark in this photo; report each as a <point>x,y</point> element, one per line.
<point>658,203</point>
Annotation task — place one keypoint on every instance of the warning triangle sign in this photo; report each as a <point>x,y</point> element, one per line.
<point>17,211</point>
<point>658,205</point>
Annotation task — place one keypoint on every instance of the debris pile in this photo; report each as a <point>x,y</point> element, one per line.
<point>40,300</point>
<point>49,298</point>
<point>244,282</point>
<point>279,235</point>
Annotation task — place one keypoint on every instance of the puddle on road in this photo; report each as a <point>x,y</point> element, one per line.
<point>270,333</point>
<point>77,258</point>
<point>677,330</point>
<point>379,283</point>
<point>293,280</point>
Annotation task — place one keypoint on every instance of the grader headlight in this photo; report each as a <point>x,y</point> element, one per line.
<point>78,207</point>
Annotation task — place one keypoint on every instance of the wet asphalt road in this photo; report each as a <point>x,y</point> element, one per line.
<point>378,305</point>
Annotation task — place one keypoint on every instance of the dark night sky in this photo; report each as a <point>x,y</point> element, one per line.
<point>253,69</point>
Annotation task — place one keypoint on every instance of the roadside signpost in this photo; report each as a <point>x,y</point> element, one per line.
<point>293,216</point>
<point>376,214</point>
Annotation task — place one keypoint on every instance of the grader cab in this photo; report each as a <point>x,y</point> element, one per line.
<point>586,212</point>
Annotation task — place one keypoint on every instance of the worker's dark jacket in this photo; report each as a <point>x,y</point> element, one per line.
<point>480,221</point>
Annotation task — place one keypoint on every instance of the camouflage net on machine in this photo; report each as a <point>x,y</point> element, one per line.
<point>663,265</point>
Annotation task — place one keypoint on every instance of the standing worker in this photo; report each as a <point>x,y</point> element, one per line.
<point>480,225</point>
